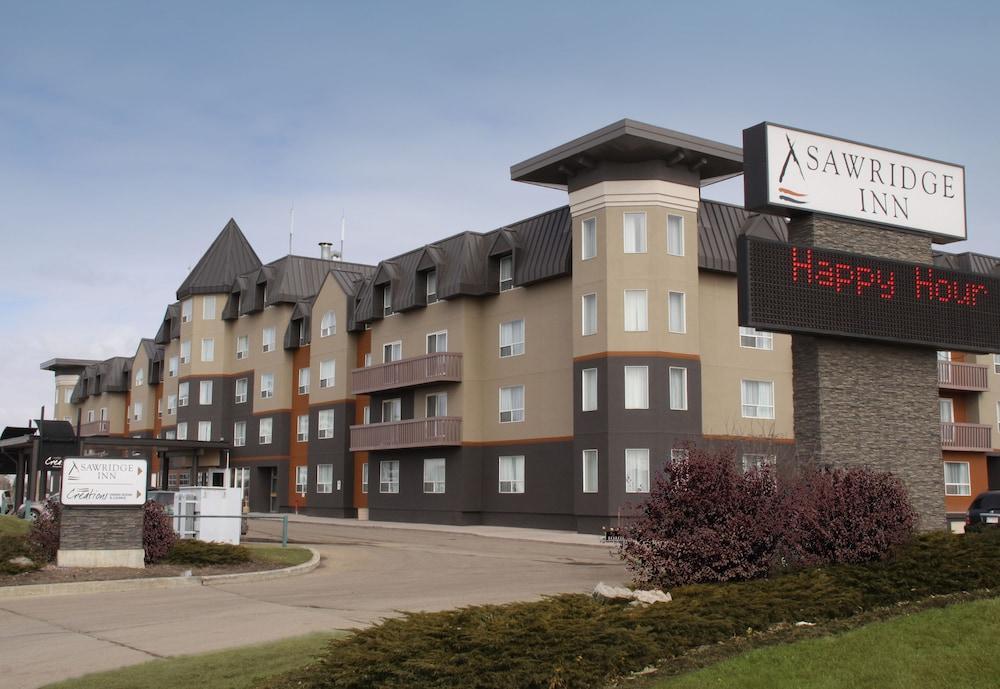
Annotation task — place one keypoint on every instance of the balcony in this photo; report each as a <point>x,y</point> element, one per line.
<point>968,437</point>
<point>92,428</point>
<point>438,431</point>
<point>442,367</point>
<point>956,375</point>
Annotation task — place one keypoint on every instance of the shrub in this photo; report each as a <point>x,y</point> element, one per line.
<point>13,546</point>
<point>704,521</point>
<point>191,552</point>
<point>158,535</point>
<point>44,533</point>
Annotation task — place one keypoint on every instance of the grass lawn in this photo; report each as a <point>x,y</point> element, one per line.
<point>240,668</point>
<point>12,526</point>
<point>936,649</point>
<point>288,557</point>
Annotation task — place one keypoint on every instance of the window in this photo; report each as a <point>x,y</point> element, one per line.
<point>387,300</point>
<point>679,453</point>
<point>996,364</point>
<point>388,476</point>
<point>758,399</point>
<point>103,415</point>
<point>186,351</point>
<point>170,435</point>
<point>637,471</point>
<point>205,431</point>
<point>182,430</point>
<point>239,434</point>
<point>183,392</point>
<point>304,381</point>
<point>676,316</point>
<point>139,377</point>
<point>946,408</point>
<point>208,349</point>
<point>90,416</point>
<point>635,232</point>
<point>636,318</point>
<point>368,359</point>
<point>301,478</point>
<point>324,478</point>
<point>506,273</point>
<point>944,356</point>
<point>137,411</point>
<point>588,387</point>
<point>998,415</point>
<point>391,410</point>
<point>241,390</point>
<point>327,373</point>
<point>678,388</point>
<point>264,430</point>
<point>208,308</point>
<point>437,342</point>
<point>675,235</point>
<point>512,404</point>
<point>266,386</point>
<point>512,338</point>
<point>187,311</point>
<point>637,387</point>
<point>171,404</point>
<point>364,477</point>
<point>205,392</point>
<point>172,367</point>
<point>756,461</point>
<point>267,339</point>
<point>434,475</point>
<point>242,346</point>
<point>302,428</point>
<point>956,478</point>
<point>437,405</point>
<point>589,314</point>
<point>67,395</point>
<point>751,338</point>
<point>159,408</point>
<point>392,351</point>
<point>588,233</point>
<point>590,471</point>
<point>512,474</point>
<point>328,326</point>
<point>432,286</point>
<point>325,429</point>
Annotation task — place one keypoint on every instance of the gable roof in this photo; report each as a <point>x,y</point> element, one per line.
<point>228,256</point>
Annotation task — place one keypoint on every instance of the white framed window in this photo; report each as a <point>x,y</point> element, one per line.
<point>266,386</point>
<point>265,430</point>
<point>267,339</point>
<point>757,397</point>
<point>675,235</point>
<point>208,349</point>
<point>171,404</point>
<point>512,474</point>
<point>205,392</point>
<point>301,479</point>
<point>432,286</point>
<point>590,471</point>
<point>137,411</point>
<point>208,307</point>
<point>756,460</point>
<point>368,359</point>
<point>172,367</point>
<point>588,389</point>
<point>104,414</point>
<point>90,416</point>
<point>588,234</point>
<point>366,415</point>
<point>946,409</point>
<point>140,377</point>
<point>302,428</point>
<point>636,310</point>
<point>242,346</point>
<point>387,300</point>
<point>506,273</point>
<point>304,380</point>
<point>325,418</point>
<point>328,326</point>
<point>956,478</point>
<point>241,390</point>
<point>637,387</point>
<point>679,453</point>
<point>239,434</point>
<point>944,356</point>
<point>434,471</point>
<point>170,435</point>
<point>159,408</point>
<point>364,478</point>
<point>388,476</point>
<point>677,312</point>
<point>588,314</point>
<point>637,470</point>
<point>996,364</point>
<point>185,351</point>
<point>392,351</point>
<point>512,338</point>
<point>183,394</point>
<point>437,342</point>
<point>324,478</point>
<point>327,373</point>
<point>67,395</point>
<point>634,225</point>
<point>204,431</point>
<point>182,430</point>
<point>678,376</point>
<point>512,404</point>
<point>751,338</point>
<point>436,405</point>
<point>392,410</point>
<point>187,311</point>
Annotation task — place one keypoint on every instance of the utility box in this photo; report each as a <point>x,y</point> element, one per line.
<point>208,514</point>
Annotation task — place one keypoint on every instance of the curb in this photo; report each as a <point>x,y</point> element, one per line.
<point>81,587</point>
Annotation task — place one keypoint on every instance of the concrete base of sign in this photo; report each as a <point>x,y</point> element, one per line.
<point>134,558</point>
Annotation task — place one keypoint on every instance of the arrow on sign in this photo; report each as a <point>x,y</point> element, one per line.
<point>138,471</point>
<point>138,494</point>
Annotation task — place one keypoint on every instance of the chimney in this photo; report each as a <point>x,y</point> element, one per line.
<point>326,251</point>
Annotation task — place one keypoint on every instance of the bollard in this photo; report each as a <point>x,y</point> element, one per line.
<point>284,531</point>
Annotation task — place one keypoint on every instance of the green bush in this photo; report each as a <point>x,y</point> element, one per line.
<point>191,552</point>
<point>577,642</point>
<point>13,546</point>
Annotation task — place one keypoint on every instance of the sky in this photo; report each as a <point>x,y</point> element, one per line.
<point>131,132</point>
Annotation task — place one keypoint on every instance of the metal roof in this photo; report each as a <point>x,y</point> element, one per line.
<point>228,256</point>
<point>61,365</point>
<point>719,224</point>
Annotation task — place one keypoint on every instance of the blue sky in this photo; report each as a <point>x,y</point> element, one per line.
<point>130,133</point>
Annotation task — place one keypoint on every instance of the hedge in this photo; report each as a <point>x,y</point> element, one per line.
<point>203,553</point>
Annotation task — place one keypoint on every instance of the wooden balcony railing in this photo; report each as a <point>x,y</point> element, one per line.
<point>95,428</point>
<point>957,375</point>
<point>970,437</point>
<point>437,431</point>
<point>441,367</point>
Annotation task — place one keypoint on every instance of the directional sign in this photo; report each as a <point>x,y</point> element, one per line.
<point>100,481</point>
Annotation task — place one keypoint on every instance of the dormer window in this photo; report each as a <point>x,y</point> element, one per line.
<point>302,331</point>
<point>506,273</point>
<point>139,377</point>
<point>387,300</point>
<point>261,294</point>
<point>328,326</point>
<point>432,286</point>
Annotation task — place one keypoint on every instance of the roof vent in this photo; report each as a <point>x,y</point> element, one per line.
<point>327,252</point>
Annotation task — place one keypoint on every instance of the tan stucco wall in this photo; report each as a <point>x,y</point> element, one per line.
<point>339,347</point>
<point>144,394</point>
<point>277,362</point>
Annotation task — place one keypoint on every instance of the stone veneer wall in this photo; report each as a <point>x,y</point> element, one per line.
<point>864,403</point>
<point>101,528</point>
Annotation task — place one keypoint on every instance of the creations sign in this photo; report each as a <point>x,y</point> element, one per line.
<point>796,289</point>
<point>790,171</point>
<point>105,482</point>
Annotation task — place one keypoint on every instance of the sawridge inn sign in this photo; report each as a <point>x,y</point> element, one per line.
<point>106,482</point>
<point>790,171</point>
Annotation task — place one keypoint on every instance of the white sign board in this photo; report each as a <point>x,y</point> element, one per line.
<point>789,168</point>
<point>106,482</point>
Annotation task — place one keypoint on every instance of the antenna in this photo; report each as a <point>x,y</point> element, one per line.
<point>291,226</point>
<point>343,231</point>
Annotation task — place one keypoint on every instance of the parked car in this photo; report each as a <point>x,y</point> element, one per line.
<point>984,511</point>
